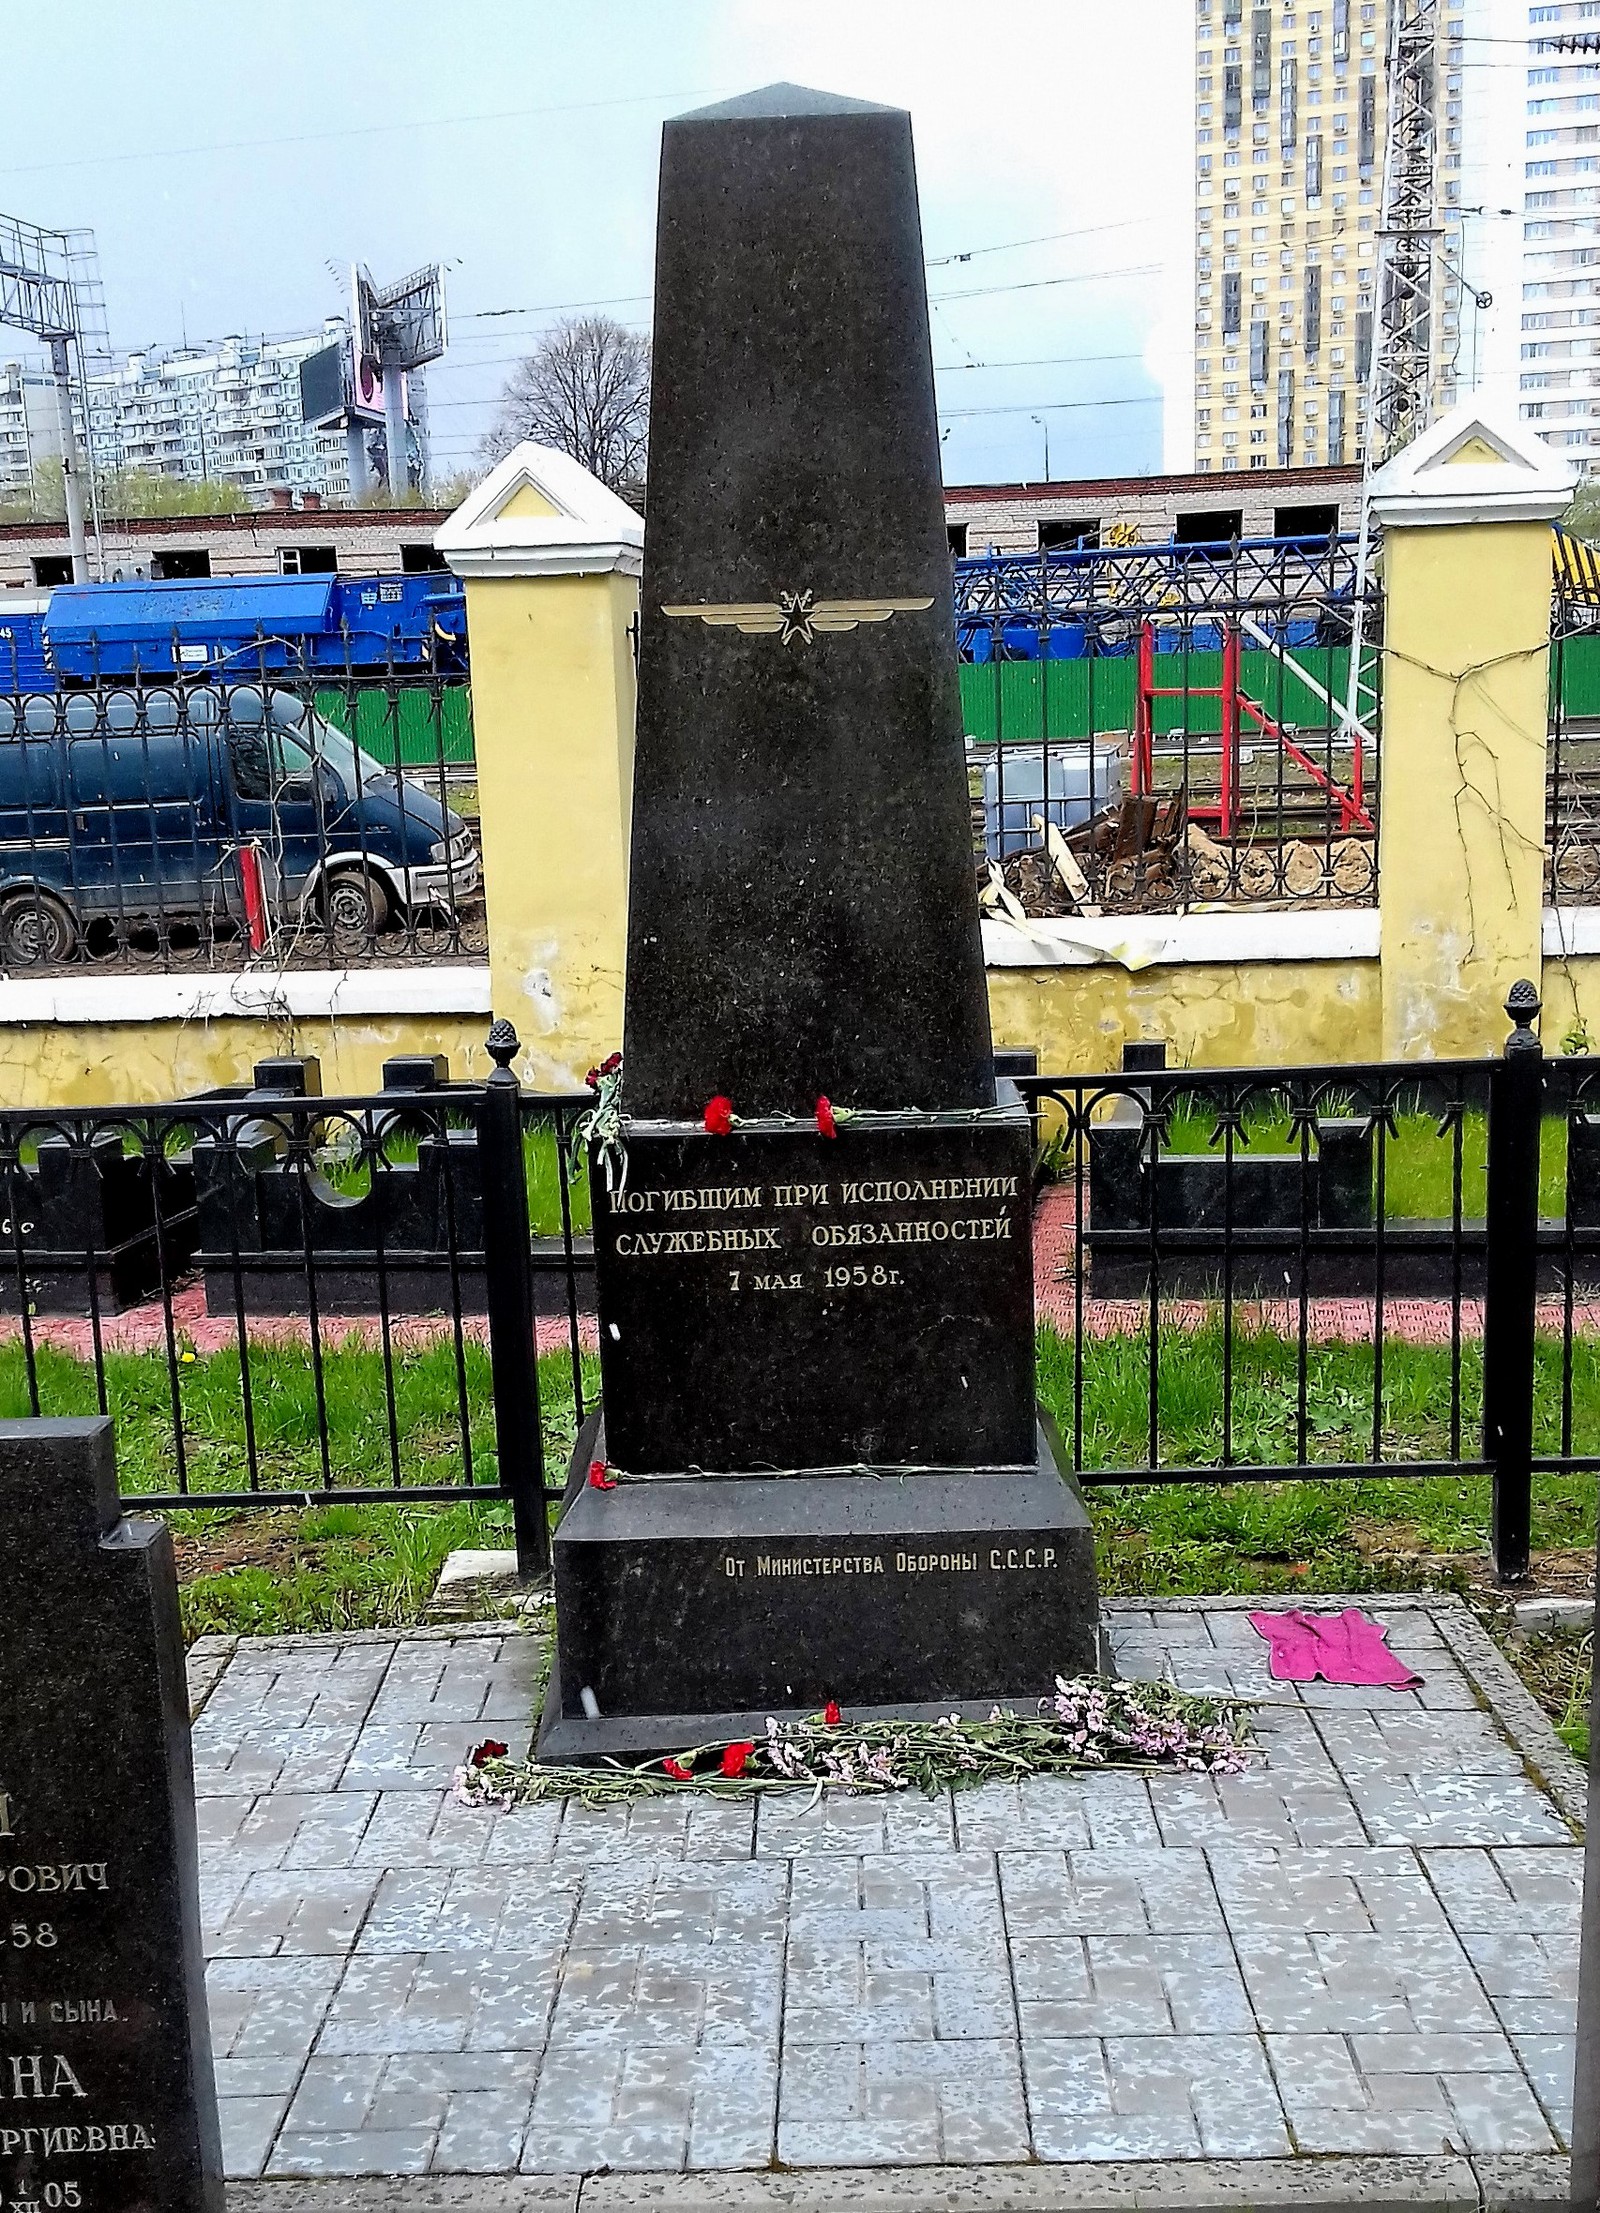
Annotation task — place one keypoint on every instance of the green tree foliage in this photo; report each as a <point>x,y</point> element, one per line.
<point>124,494</point>
<point>1582,518</point>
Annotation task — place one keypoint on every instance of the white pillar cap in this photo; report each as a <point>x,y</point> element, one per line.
<point>1478,464</point>
<point>540,513</point>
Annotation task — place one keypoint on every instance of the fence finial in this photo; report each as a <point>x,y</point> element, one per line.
<point>504,1045</point>
<point>1522,1004</point>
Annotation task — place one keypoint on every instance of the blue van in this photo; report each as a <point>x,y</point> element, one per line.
<point>138,806</point>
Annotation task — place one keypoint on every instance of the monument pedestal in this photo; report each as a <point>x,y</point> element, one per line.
<point>692,1609</point>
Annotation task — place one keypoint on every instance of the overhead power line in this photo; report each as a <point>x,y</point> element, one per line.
<point>1039,284</point>
<point>1050,407</point>
<point>940,368</point>
<point>355,130</point>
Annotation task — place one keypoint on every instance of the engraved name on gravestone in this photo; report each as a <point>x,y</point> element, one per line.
<point>107,2102</point>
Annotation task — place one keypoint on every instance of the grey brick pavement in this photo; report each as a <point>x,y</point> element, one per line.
<point>1366,1945</point>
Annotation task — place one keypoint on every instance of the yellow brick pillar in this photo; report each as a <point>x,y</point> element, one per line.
<point>1465,512</point>
<point>551,563</point>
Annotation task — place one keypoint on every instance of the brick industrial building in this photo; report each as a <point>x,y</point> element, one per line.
<point>310,539</point>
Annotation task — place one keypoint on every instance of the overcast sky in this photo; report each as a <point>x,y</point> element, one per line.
<point>226,152</point>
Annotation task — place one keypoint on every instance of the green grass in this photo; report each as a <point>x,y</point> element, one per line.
<point>284,1403</point>
<point>329,1567</point>
<point>356,1566</point>
<point>1334,1534</point>
<point>336,1567</point>
<point>1419,1160</point>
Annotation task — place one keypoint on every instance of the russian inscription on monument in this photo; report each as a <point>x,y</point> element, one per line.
<point>816,1325</point>
<point>762,1289</point>
<point>106,2095</point>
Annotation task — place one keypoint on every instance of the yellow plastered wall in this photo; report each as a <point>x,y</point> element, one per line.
<point>1570,992</point>
<point>1212,1015</point>
<point>552,711</point>
<point>135,1063</point>
<point>1461,823</point>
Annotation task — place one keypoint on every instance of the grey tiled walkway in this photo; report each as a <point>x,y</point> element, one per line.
<point>1367,1944</point>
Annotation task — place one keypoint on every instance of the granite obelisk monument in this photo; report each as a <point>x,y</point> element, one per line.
<point>823,1474</point>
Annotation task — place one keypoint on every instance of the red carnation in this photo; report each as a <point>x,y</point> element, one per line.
<point>831,1714</point>
<point>600,1478</point>
<point>490,1749</point>
<point>733,1759</point>
<point>678,1772</point>
<point>825,1121</point>
<point>719,1116</point>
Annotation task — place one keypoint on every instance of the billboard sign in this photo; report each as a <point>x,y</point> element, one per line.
<point>322,388</point>
<point>365,401</point>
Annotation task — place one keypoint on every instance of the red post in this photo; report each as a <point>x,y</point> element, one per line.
<point>1230,728</point>
<point>1143,762</point>
<point>255,904</point>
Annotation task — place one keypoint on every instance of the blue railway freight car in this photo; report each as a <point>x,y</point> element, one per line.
<point>239,626</point>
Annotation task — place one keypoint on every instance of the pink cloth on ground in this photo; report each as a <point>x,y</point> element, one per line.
<point>1341,1648</point>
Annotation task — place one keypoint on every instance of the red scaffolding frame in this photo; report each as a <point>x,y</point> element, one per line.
<point>1236,705</point>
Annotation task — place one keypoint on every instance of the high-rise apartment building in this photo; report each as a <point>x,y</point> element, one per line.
<point>1533,223</point>
<point>1290,114</point>
<point>228,414</point>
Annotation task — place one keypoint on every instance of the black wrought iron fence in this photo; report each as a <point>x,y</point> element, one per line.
<point>262,813</point>
<point>1359,1272</point>
<point>1154,727</point>
<point>287,1299</point>
<point>1325,1275</point>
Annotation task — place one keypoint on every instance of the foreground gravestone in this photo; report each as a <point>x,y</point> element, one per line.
<point>106,2095</point>
<point>816,1326</point>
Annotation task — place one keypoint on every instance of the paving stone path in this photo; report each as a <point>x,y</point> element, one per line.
<point>1365,1945</point>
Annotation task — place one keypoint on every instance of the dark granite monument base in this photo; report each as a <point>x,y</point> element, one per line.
<point>691,1609</point>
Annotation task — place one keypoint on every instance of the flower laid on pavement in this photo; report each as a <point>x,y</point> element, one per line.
<point>490,1749</point>
<point>1092,1721</point>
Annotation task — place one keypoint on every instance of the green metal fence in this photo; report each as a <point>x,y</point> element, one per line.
<point>422,725</point>
<point>1082,698</point>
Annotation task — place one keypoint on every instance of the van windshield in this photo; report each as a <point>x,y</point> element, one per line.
<point>302,733</point>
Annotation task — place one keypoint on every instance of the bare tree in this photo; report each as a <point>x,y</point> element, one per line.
<point>585,389</point>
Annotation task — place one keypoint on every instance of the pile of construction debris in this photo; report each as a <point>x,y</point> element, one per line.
<point>1141,856</point>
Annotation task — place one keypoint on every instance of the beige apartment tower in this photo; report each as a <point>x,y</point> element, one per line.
<point>1290,114</point>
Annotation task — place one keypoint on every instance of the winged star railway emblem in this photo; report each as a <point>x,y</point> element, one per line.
<point>797,617</point>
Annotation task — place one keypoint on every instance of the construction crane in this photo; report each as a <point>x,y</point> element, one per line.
<point>1402,367</point>
<point>1400,375</point>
